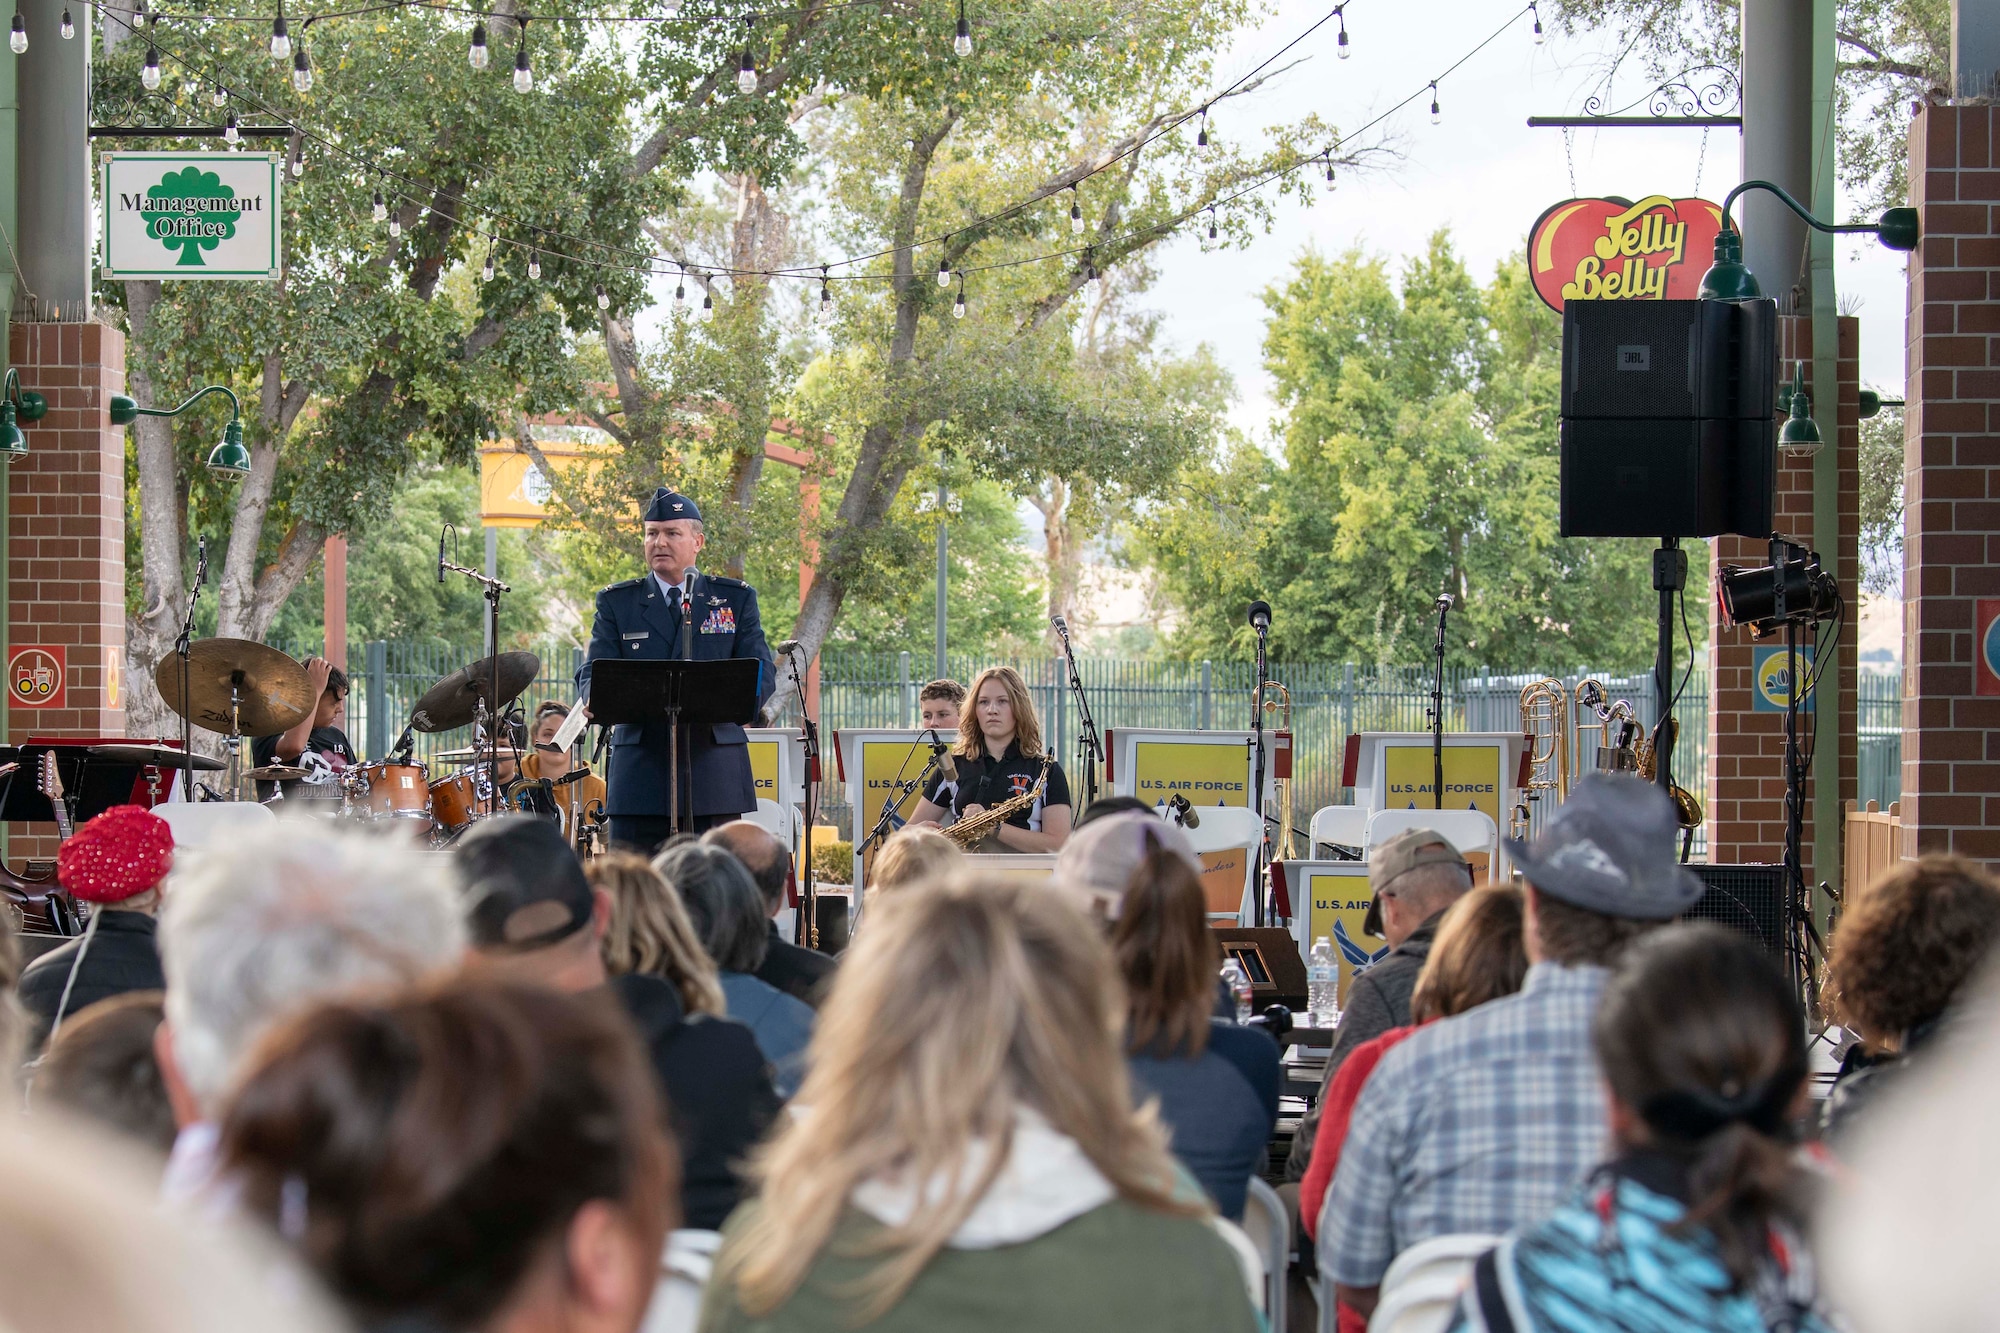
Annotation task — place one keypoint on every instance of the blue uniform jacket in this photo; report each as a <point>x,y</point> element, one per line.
<point>634,622</point>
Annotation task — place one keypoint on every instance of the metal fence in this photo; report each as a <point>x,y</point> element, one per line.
<point>1329,701</point>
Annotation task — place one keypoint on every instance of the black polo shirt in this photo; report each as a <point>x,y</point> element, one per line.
<point>986,781</point>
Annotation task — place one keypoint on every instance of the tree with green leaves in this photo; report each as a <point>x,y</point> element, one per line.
<point>1419,457</point>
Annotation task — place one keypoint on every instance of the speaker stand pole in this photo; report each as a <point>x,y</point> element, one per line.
<point>1670,567</point>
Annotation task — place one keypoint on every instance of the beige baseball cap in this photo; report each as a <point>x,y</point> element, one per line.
<point>1400,855</point>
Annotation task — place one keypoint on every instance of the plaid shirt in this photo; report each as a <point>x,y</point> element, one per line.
<point>1481,1123</point>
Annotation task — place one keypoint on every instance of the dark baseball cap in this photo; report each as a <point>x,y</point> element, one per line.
<point>1609,849</point>
<point>524,888</point>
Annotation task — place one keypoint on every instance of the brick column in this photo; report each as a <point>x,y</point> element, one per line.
<point>66,534</point>
<point>1951,485</point>
<point>1746,748</point>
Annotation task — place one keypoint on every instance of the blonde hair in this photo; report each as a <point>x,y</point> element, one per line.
<point>650,931</point>
<point>1021,1007</point>
<point>912,856</point>
<point>1027,724</point>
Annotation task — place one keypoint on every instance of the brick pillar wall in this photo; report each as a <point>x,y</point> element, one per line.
<point>66,534</point>
<point>1746,748</point>
<point>1951,484</point>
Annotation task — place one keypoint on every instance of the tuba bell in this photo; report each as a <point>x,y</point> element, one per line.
<point>1545,732</point>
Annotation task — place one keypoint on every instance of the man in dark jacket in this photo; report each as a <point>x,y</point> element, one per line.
<point>533,916</point>
<point>797,971</point>
<point>1415,876</point>
<point>116,862</point>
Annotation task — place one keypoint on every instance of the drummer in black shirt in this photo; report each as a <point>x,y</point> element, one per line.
<point>999,754</point>
<point>316,744</point>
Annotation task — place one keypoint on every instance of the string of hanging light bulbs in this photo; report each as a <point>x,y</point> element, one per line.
<point>647,264</point>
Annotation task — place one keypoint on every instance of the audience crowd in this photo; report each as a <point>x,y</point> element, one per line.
<point>310,1079</point>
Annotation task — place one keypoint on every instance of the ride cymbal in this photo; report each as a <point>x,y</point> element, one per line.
<point>453,701</point>
<point>273,693</point>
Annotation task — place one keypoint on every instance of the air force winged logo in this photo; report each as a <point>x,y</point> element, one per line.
<point>1357,955</point>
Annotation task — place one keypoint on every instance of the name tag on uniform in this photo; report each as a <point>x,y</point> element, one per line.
<point>642,634</point>
<point>722,620</point>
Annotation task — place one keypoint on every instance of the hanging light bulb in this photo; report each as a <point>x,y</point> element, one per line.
<point>486,269</point>
<point>1211,222</point>
<point>825,298</point>
<point>1093,285</point>
<point>302,71</point>
<point>68,28</point>
<point>381,208</point>
<point>746,73</point>
<point>229,131</point>
<point>962,42</point>
<point>17,39</point>
<point>149,73</point>
<point>707,307</point>
<point>395,226</point>
<point>219,98</point>
<point>281,37</point>
<point>944,273</point>
<point>1436,118</point>
<point>1075,213</point>
<point>535,264</point>
<point>299,164</point>
<point>478,53</point>
<point>681,294</point>
<point>1201,139</point>
<point>1532,9</point>
<point>603,299</point>
<point>1340,47</point>
<point>1329,171</point>
<point>958,306</point>
<point>524,78</point>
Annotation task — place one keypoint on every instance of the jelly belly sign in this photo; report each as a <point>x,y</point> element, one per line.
<point>1616,250</point>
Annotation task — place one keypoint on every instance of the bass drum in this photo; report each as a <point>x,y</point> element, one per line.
<point>385,790</point>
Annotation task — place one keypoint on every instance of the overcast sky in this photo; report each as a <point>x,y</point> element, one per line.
<point>1482,172</point>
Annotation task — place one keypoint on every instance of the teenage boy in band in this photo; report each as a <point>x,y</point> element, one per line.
<point>939,704</point>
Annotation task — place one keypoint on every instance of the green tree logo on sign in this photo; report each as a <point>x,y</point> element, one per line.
<point>190,210</point>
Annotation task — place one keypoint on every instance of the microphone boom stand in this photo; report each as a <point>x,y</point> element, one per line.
<point>805,930</point>
<point>1257,783</point>
<point>183,649</point>
<point>491,588</point>
<point>1089,744</point>
<point>1437,711</point>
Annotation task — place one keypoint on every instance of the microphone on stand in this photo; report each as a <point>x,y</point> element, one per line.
<point>1444,602</point>
<point>1183,810</point>
<point>1061,627</point>
<point>941,752</point>
<point>440,555</point>
<point>687,586</point>
<point>201,564</point>
<point>1260,617</point>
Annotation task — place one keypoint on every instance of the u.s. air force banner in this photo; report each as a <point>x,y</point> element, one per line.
<point>193,215</point>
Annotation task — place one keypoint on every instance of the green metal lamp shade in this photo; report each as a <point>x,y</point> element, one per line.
<point>1899,229</point>
<point>231,461</point>
<point>1727,279</point>
<point>124,411</point>
<point>13,444</point>
<point>1800,433</point>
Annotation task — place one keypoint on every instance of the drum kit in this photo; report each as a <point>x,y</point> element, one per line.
<point>242,689</point>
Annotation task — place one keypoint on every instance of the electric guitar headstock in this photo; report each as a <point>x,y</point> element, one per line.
<point>49,780</point>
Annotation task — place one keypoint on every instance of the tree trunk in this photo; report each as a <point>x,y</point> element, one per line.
<point>150,633</point>
<point>1061,559</point>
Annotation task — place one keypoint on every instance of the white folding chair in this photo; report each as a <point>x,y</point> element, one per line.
<point>1344,824</point>
<point>772,818</point>
<point>1230,828</point>
<point>1270,1230</point>
<point>1249,1260</point>
<point>204,822</point>
<point>1467,830</point>
<point>1422,1285</point>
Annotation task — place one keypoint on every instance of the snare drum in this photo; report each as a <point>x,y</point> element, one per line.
<point>454,802</point>
<point>385,790</point>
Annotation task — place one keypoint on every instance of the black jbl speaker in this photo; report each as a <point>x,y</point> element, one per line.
<point>1668,418</point>
<point>1750,899</point>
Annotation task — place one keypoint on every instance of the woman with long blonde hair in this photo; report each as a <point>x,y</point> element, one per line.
<point>999,755</point>
<point>967,1154</point>
<point>650,931</point>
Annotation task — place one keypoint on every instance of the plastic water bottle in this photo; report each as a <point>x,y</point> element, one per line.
<point>1323,985</point>
<point>1238,982</point>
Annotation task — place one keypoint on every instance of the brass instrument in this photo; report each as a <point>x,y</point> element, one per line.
<point>1630,750</point>
<point>1281,850</point>
<point>1545,729</point>
<point>970,834</point>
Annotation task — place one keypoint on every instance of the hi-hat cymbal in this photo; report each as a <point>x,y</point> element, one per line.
<point>154,756</point>
<point>277,773</point>
<point>273,692</point>
<point>452,701</point>
<point>468,755</point>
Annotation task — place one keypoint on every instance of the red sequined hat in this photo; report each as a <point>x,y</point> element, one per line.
<point>121,853</point>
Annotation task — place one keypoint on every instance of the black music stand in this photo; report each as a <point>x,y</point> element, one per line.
<point>678,693</point>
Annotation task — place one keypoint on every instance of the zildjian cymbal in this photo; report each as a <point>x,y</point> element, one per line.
<point>272,692</point>
<point>453,701</point>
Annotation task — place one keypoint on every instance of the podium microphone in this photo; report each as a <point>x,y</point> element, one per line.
<point>1183,810</point>
<point>941,752</point>
<point>1445,602</point>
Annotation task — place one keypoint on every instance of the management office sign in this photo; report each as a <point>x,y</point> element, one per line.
<point>192,215</point>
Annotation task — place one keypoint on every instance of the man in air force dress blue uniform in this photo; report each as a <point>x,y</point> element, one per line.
<point>640,620</point>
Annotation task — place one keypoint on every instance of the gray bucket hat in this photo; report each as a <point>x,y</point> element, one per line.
<point>1609,848</point>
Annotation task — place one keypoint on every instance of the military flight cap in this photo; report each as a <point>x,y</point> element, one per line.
<point>668,505</point>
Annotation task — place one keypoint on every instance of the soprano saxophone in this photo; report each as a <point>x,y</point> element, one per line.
<point>971,833</point>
